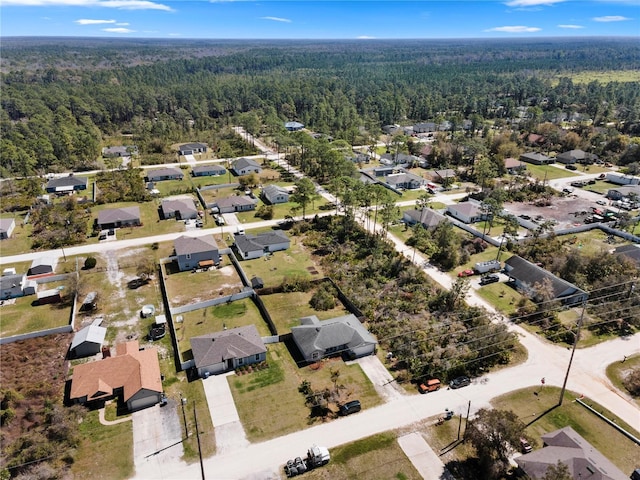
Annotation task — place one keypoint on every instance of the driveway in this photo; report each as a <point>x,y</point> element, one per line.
<point>380,377</point>
<point>157,437</point>
<point>424,459</point>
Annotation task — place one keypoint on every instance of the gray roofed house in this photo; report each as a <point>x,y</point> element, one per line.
<point>181,208</point>
<point>467,212</point>
<point>16,285</point>
<point>190,251</point>
<point>535,158</point>
<point>69,183</point>
<point>575,156</point>
<point>42,266</point>
<point>168,173</point>
<point>208,170</point>
<point>227,350</point>
<point>567,446</point>
<point>527,275</point>
<point>293,126</point>
<point>191,148</point>
<point>7,225</point>
<point>275,194</point>
<point>622,192</point>
<point>441,175</point>
<point>119,217</point>
<point>426,217</point>
<point>337,336</point>
<point>236,203</point>
<point>398,158</point>
<point>255,246</point>
<point>630,252</point>
<point>88,341</point>
<point>405,181</point>
<point>119,151</point>
<point>426,127</point>
<point>245,166</point>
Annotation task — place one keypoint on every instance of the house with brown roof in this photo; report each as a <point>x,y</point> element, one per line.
<point>567,446</point>
<point>132,375</point>
<point>227,350</point>
<point>513,166</point>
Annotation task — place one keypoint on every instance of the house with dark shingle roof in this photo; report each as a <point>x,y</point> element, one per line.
<point>119,217</point>
<point>294,126</point>
<point>405,181</point>
<point>567,446</point>
<point>70,183</point>
<point>190,251</point>
<point>224,351</point>
<point>42,266</point>
<point>529,277</point>
<point>236,203</point>
<point>180,208</point>
<point>192,148</point>
<point>208,170</point>
<point>344,335</point>
<point>160,174</point>
<point>535,158</point>
<point>245,166</point>
<point>441,176</point>
<point>275,194</point>
<point>255,246</point>
<point>119,151</point>
<point>466,212</point>
<point>16,285</point>
<point>426,217</point>
<point>576,156</point>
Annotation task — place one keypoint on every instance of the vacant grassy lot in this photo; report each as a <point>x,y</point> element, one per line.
<point>603,77</point>
<point>20,242</point>
<point>531,403</point>
<point>375,457</point>
<point>23,315</point>
<point>503,297</point>
<point>214,194</point>
<point>600,186</point>
<point>619,370</point>
<point>548,171</point>
<point>282,408</point>
<point>174,187</point>
<point>286,309</point>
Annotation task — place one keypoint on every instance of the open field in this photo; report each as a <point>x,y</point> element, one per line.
<point>548,172</point>
<point>282,408</point>
<point>502,296</point>
<point>20,241</point>
<point>619,370</point>
<point>605,77</point>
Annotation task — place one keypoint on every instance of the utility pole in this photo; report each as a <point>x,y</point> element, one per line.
<point>195,416</point>
<point>466,421</point>
<point>183,402</point>
<point>573,351</point>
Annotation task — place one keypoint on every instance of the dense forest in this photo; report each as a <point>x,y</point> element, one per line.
<point>61,100</point>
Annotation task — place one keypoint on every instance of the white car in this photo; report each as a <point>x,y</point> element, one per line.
<point>601,202</point>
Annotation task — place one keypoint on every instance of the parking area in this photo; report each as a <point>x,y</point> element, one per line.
<point>566,211</point>
<point>157,434</point>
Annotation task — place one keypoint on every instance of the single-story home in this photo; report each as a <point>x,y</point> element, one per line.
<point>42,266</point>
<point>46,297</point>
<point>528,276</point>
<point>441,176</point>
<point>467,212</point>
<point>630,252</point>
<point>514,166</point>
<point>620,179</point>
<point>293,126</point>
<point>88,341</point>
<point>405,181</point>
<point>119,217</point>
<point>7,225</point>
<point>535,158</point>
<point>398,159</point>
<point>119,151</point>
<point>190,251</point>
<point>227,350</point>
<point>337,336</point>
<point>208,170</point>
<point>426,217</point>
<point>180,208</point>
<point>576,156</point>
<point>274,194</point>
<point>192,148</point>
<point>131,374</point>
<point>245,166</point>
<point>70,183</point>
<point>567,446</point>
<point>236,203</point>
<point>160,174</point>
<point>255,246</point>
<point>623,192</point>
<point>358,158</point>
<point>16,285</point>
<point>386,171</point>
<point>534,139</point>
<point>427,127</point>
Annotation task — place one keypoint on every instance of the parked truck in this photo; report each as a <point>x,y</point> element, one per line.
<point>486,267</point>
<point>316,457</point>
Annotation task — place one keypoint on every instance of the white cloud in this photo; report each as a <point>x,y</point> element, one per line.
<point>119,4</point>
<point>123,24</point>
<point>277,19</point>
<point>365,37</point>
<point>514,29</point>
<point>531,3</point>
<point>175,34</point>
<point>611,18</point>
<point>88,21</point>
<point>570,26</point>
<point>118,30</point>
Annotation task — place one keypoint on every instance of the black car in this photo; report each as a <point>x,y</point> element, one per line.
<point>571,167</point>
<point>460,382</point>
<point>487,279</point>
<point>350,407</point>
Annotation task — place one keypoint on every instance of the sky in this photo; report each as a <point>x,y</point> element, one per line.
<point>320,19</point>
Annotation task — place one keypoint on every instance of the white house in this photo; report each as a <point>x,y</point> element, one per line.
<point>466,212</point>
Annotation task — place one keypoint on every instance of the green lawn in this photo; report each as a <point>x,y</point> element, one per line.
<point>617,371</point>
<point>602,77</point>
<point>282,408</point>
<point>174,187</point>
<point>548,171</point>
<point>20,241</point>
<point>501,296</point>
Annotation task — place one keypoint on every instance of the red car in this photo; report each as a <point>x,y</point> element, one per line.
<point>466,273</point>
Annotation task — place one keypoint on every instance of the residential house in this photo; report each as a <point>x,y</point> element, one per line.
<point>405,181</point>
<point>386,171</point>
<point>42,266</point>
<point>236,203</point>
<point>180,208</point>
<point>132,375</point>
<point>16,285</point>
<point>160,174</point>
<point>567,446</point>
<point>7,225</point>
<point>255,246</point>
<point>630,252</point>
<point>359,158</point>
<point>621,193</point>
<point>442,176</point>
<point>534,139</point>
<point>514,166</point>
<point>119,217</point>
<point>426,217</point>
<point>274,194</point>
<point>530,278</point>
<point>398,159</point>
<point>620,179</point>
<point>428,127</point>
<point>337,336</point>
<point>293,126</point>
<point>535,158</point>
<point>192,252</point>
<point>426,152</point>
<point>391,129</point>
<point>88,341</point>
<point>208,170</point>
<point>119,151</point>
<point>67,184</point>
<point>467,212</point>
<point>576,156</point>
<point>245,166</point>
<point>192,148</point>
<point>227,350</point>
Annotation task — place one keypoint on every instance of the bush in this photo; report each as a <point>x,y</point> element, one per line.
<point>90,262</point>
<point>324,297</point>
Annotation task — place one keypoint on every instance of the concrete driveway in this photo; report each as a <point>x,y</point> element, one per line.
<point>157,436</point>
<point>423,458</point>
<point>383,382</point>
